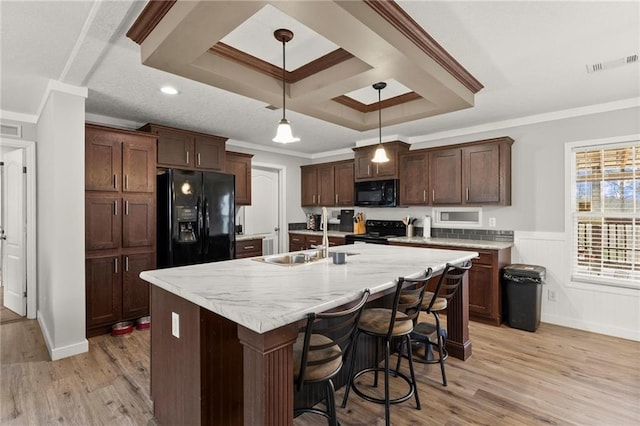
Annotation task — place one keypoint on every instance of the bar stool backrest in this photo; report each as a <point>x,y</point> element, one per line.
<point>449,282</point>
<point>340,329</point>
<point>408,299</point>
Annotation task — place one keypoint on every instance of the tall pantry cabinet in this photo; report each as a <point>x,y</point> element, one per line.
<point>120,224</point>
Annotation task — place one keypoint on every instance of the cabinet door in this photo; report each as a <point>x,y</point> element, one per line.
<point>326,184</point>
<point>139,164</point>
<point>363,165</point>
<point>139,222</point>
<point>103,290</point>
<point>344,179</point>
<point>103,160</point>
<point>414,178</point>
<point>135,291</point>
<point>240,166</point>
<point>481,173</point>
<point>309,185</point>
<point>389,169</point>
<point>209,153</point>
<point>481,290</point>
<point>445,176</point>
<point>296,242</point>
<point>103,223</point>
<point>174,148</point>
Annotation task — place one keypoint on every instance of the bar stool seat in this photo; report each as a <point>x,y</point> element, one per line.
<point>316,372</point>
<point>377,320</point>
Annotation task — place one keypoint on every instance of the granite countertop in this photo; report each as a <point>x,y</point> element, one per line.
<point>264,296</point>
<point>245,237</point>
<point>454,242</point>
<point>339,234</point>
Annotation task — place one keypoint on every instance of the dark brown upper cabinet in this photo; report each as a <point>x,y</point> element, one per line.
<point>367,170</point>
<point>118,161</point>
<point>327,184</point>
<point>239,165</point>
<point>188,150</point>
<point>445,176</point>
<point>414,178</point>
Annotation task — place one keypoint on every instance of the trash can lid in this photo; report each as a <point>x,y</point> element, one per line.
<point>522,270</point>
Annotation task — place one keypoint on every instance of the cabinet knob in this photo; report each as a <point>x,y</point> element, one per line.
<point>336,198</point>
<point>126,181</point>
<point>424,195</point>
<point>467,193</point>
<point>187,152</point>
<point>126,263</point>
<point>115,207</point>
<point>115,181</point>
<point>248,247</point>
<point>115,265</point>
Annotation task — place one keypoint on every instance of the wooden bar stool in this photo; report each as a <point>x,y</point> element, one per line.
<point>385,325</point>
<point>319,352</point>
<point>430,334</point>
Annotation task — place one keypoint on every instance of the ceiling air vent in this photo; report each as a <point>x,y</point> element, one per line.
<point>603,66</point>
<point>12,130</point>
<point>272,107</point>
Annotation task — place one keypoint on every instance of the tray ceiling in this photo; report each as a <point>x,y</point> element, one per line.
<point>338,51</point>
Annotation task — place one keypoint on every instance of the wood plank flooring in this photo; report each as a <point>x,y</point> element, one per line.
<point>556,376</point>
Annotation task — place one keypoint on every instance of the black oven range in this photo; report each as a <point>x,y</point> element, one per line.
<point>378,232</point>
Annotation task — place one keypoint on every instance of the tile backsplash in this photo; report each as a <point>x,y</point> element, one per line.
<point>470,234</point>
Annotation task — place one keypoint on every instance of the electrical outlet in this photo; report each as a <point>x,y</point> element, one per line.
<point>551,295</point>
<point>492,222</point>
<point>175,324</point>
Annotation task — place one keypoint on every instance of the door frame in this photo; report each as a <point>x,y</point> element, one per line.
<point>31,217</point>
<point>283,235</point>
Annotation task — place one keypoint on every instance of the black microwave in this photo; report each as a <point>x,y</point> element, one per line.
<point>380,193</point>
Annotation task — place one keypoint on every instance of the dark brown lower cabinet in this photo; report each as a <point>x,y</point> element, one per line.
<point>485,289</point>
<point>248,248</point>
<point>299,242</point>
<point>104,290</point>
<point>115,291</point>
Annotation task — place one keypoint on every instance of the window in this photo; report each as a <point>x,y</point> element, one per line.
<point>605,212</point>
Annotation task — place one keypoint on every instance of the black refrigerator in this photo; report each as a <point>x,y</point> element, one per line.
<point>196,212</point>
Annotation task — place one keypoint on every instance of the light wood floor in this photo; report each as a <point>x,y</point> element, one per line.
<point>553,376</point>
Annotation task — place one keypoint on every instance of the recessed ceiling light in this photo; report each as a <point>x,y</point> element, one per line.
<point>168,90</point>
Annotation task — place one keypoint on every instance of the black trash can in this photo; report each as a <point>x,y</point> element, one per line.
<point>523,295</point>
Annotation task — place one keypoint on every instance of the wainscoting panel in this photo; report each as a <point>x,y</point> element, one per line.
<point>587,307</point>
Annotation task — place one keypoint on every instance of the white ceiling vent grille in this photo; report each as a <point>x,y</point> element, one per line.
<point>602,66</point>
<point>15,131</point>
<point>272,107</point>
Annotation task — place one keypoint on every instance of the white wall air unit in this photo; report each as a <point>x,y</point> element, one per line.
<point>457,217</point>
<point>11,130</point>
<point>606,65</point>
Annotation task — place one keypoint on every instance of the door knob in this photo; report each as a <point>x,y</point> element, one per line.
<point>276,229</point>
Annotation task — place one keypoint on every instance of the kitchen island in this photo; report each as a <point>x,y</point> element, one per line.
<point>222,334</point>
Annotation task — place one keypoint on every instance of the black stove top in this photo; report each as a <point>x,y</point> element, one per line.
<point>379,231</point>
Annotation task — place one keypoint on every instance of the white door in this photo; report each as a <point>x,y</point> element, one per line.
<point>14,271</point>
<point>262,216</point>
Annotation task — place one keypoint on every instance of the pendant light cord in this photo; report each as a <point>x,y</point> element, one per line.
<point>283,78</point>
<point>379,117</point>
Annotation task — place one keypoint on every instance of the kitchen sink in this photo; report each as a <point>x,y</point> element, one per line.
<point>294,259</point>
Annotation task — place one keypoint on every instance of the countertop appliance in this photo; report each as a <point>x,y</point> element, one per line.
<point>346,220</point>
<point>377,193</point>
<point>378,232</point>
<point>196,214</point>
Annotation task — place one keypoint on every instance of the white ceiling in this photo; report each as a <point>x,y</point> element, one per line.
<point>531,58</point>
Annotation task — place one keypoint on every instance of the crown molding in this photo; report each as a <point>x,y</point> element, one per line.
<point>18,116</point>
<point>532,119</point>
<point>269,149</point>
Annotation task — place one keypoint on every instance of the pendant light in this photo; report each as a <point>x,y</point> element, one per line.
<point>284,135</point>
<point>380,155</point>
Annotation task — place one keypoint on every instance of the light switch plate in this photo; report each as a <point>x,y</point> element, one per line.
<point>175,324</point>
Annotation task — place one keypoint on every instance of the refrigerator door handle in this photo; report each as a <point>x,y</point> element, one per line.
<point>199,232</point>
<point>205,237</point>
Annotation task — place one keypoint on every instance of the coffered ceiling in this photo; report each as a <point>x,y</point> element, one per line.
<point>339,48</point>
<point>531,57</point>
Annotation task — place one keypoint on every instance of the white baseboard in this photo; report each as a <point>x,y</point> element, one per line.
<point>62,352</point>
<point>624,333</point>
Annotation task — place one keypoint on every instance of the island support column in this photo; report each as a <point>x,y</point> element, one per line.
<point>268,375</point>
<point>458,343</point>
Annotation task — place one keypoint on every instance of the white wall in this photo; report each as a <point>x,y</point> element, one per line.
<point>60,221</point>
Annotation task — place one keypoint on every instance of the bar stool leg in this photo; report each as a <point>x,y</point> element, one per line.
<point>352,363</point>
<point>413,375</point>
<point>387,404</point>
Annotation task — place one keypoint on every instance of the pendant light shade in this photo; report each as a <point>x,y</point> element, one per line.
<point>284,133</point>
<point>380,155</point>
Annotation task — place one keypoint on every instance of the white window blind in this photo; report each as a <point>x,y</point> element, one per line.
<point>606,215</point>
